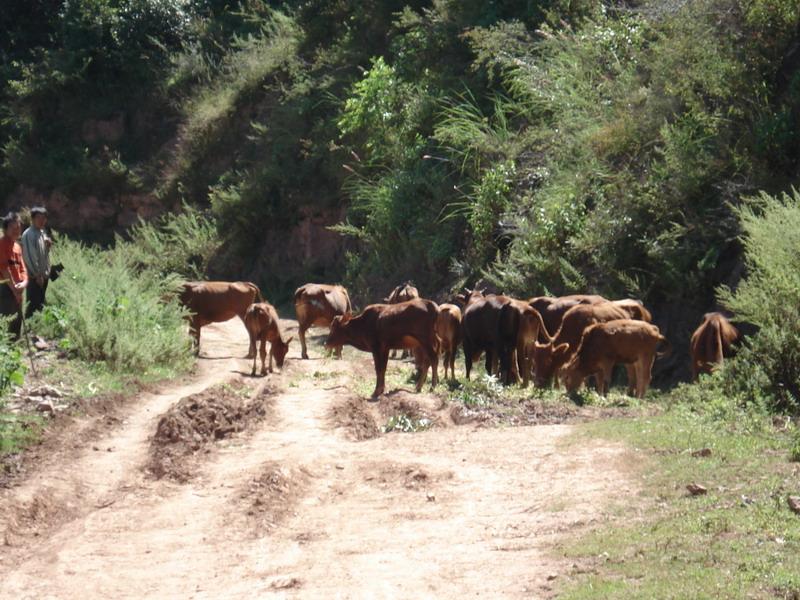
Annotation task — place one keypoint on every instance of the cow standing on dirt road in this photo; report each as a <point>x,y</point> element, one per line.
<point>261,320</point>
<point>317,304</point>
<point>383,327</point>
<point>217,301</point>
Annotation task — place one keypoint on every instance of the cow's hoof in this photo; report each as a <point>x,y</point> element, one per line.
<point>304,356</point>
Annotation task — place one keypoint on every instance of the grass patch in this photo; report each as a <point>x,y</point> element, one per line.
<point>738,540</point>
<point>17,430</point>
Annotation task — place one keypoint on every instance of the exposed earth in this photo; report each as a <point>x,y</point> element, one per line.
<point>229,486</point>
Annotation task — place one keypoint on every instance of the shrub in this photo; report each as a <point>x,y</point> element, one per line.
<point>105,312</point>
<point>768,298</point>
<point>177,244</point>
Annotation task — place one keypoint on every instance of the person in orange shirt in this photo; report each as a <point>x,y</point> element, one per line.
<point>13,272</point>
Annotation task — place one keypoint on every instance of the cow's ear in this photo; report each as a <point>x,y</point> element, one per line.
<point>562,349</point>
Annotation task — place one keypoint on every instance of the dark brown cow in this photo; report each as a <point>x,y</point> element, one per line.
<point>554,309</point>
<point>448,329</point>
<point>382,327</point>
<point>519,327</point>
<point>603,345</point>
<point>711,342</point>
<point>480,329</point>
<point>217,301</point>
<point>261,320</point>
<point>316,305</point>
<point>548,358</point>
<point>635,309</point>
<point>402,293</point>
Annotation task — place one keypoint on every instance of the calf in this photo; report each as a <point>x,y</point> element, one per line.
<point>317,304</point>
<point>448,329</point>
<point>383,327</point>
<point>604,345</point>
<point>549,358</point>
<point>480,327</point>
<point>217,301</point>
<point>711,342</point>
<point>519,326</point>
<point>261,321</point>
<point>554,309</point>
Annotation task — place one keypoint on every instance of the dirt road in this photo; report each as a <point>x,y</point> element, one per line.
<point>295,507</point>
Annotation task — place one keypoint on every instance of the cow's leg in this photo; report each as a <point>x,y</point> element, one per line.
<point>337,352</point>
<point>603,378</point>
<point>646,374</point>
<point>251,351</point>
<point>467,357</point>
<point>252,340</point>
<point>262,351</point>
<point>633,377</point>
<point>434,353</point>
<point>381,358</point>
<point>301,333</point>
<point>523,364</point>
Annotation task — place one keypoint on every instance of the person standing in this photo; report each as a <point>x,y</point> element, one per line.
<point>12,269</point>
<point>36,251</point>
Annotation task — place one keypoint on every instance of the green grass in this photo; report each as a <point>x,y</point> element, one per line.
<point>17,431</point>
<point>739,540</point>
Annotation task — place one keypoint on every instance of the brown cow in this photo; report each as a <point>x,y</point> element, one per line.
<point>519,327</point>
<point>635,309</point>
<point>448,328</point>
<point>604,345</point>
<point>217,301</point>
<point>402,293</point>
<point>261,321</point>
<point>548,358</point>
<point>480,329</point>
<point>711,342</point>
<point>554,309</point>
<point>317,304</point>
<point>382,327</point>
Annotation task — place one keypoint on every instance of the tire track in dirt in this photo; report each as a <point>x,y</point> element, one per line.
<point>442,513</point>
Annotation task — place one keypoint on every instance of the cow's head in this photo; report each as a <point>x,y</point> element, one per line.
<point>338,334</point>
<point>547,359</point>
<point>279,350</point>
<point>571,375</point>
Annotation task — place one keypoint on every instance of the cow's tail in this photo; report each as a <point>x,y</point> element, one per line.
<point>667,347</point>
<point>543,333</point>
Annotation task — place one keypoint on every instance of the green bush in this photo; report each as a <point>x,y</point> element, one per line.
<point>768,298</point>
<point>177,244</point>
<point>105,312</point>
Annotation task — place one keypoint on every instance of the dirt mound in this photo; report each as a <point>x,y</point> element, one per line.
<point>269,497</point>
<point>357,417</point>
<point>197,421</point>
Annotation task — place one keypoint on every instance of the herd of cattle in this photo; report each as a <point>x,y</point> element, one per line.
<point>566,339</point>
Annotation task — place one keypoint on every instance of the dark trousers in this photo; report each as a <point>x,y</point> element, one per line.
<point>9,307</point>
<point>35,296</point>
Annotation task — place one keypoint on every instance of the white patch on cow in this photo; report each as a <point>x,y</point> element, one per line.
<point>317,303</point>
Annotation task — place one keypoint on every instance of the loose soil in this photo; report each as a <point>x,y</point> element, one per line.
<point>297,492</point>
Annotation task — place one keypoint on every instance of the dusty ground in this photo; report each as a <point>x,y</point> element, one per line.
<point>308,500</point>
